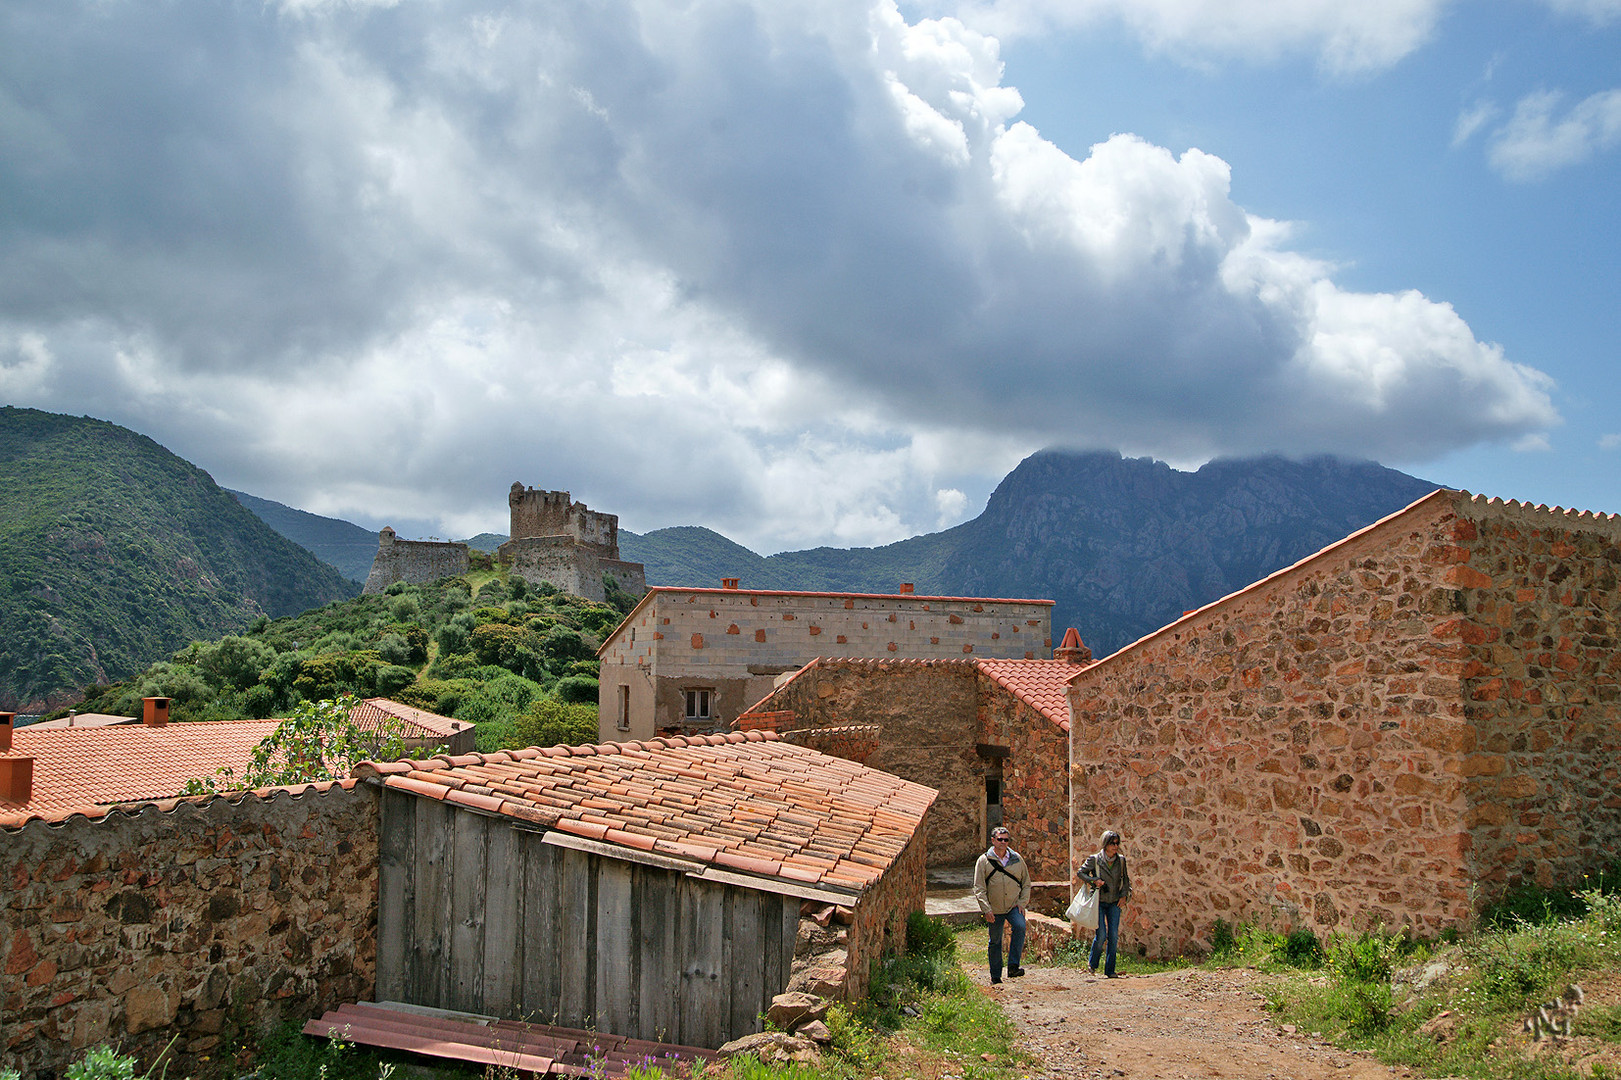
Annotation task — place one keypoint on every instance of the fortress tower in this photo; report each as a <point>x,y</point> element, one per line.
<point>557,540</point>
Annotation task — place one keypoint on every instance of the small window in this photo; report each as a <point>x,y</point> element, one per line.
<point>624,708</point>
<point>698,704</point>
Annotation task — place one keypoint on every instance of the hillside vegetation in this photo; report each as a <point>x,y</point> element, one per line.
<point>517,661</point>
<point>113,552</point>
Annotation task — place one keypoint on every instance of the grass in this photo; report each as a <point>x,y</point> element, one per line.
<point>1522,954</point>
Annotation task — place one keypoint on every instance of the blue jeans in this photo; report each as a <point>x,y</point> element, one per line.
<point>1014,918</point>
<point>1108,926</point>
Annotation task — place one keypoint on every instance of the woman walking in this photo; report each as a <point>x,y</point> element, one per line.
<point>1106,870</point>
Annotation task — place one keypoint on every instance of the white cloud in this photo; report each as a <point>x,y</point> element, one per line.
<point>1610,442</point>
<point>1346,38</point>
<point>1595,11</point>
<point>1472,120</point>
<point>1536,142</point>
<point>793,270</point>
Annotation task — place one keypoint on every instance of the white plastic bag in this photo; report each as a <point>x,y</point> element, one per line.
<point>1083,910</point>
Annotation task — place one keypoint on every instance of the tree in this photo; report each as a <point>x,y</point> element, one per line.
<point>318,742</point>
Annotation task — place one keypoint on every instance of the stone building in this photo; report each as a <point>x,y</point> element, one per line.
<point>991,736</point>
<point>554,539</point>
<point>415,562</point>
<point>1389,731</point>
<point>691,660</point>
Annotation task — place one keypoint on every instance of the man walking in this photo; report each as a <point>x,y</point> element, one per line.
<point>1002,888</point>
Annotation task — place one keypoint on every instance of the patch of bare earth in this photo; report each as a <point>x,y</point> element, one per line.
<point>1189,1024</point>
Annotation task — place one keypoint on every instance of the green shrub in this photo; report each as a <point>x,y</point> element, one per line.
<point>549,722</point>
<point>1368,958</point>
<point>1223,942</point>
<point>577,689</point>
<point>1299,948</point>
<point>929,937</point>
<point>102,1063</point>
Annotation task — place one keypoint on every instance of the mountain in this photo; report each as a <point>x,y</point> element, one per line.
<point>1123,545</point>
<point>115,552</point>
<point>338,543</point>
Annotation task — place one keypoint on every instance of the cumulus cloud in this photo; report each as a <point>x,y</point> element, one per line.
<point>793,270</point>
<point>1595,11</point>
<point>1346,38</point>
<point>1538,140</point>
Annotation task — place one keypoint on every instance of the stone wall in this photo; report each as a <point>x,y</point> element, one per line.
<point>1035,780</point>
<point>415,562</point>
<point>1401,725</point>
<point>554,513</point>
<point>200,922</point>
<point>927,713</point>
<point>1290,755</point>
<point>1541,685</point>
<point>572,567</point>
<point>879,926</point>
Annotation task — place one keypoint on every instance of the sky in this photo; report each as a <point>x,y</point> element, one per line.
<point>812,272</point>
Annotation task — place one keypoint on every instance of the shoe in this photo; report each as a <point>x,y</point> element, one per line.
<point>1092,972</point>
<point>1111,975</point>
<point>1015,972</point>
<point>995,979</point>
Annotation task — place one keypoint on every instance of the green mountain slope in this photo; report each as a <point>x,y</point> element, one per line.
<point>338,543</point>
<point>114,552</point>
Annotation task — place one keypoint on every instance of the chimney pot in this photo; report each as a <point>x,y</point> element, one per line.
<point>16,779</point>
<point>907,588</point>
<point>728,582</point>
<point>7,719</point>
<point>157,711</point>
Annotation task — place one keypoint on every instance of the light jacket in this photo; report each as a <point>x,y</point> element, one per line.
<point>999,889</point>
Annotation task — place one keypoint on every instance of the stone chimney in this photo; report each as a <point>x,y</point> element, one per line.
<point>907,588</point>
<point>1071,651</point>
<point>728,582</point>
<point>16,773</point>
<point>157,711</point>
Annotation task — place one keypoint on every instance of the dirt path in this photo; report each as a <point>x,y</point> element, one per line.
<point>1189,1024</point>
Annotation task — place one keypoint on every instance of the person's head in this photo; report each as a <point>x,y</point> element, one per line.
<point>1000,837</point>
<point>1111,843</point>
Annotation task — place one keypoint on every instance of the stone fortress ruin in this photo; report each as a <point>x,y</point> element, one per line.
<point>553,540</point>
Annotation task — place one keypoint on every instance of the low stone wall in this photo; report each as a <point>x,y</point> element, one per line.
<point>416,562</point>
<point>196,923</point>
<point>879,927</point>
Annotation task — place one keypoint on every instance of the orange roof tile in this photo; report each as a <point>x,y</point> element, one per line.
<point>1038,683</point>
<point>78,770</point>
<point>738,801</point>
<point>418,723</point>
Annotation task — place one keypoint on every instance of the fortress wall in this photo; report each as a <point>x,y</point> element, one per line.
<point>537,513</point>
<point>557,559</point>
<point>1542,687</point>
<point>415,562</point>
<point>1290,756</point>
<point>200,921</point>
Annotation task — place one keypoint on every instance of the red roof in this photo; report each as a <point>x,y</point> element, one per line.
<point>745,801</point>
<point>1038,683</point>
<point>86,770</point>
<point>417,723</point>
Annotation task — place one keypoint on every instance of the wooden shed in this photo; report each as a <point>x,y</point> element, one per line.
<point>647,889</point>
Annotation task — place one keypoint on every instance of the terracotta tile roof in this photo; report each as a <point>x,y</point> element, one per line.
<point>745,801</point>
<point>1041,684</point>
<point>86,770</point>
<point>418,723</point>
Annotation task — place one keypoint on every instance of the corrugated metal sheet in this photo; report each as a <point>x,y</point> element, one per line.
<point>539,1049</point>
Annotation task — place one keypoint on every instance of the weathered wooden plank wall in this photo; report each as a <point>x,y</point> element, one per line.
<point>479,916</point>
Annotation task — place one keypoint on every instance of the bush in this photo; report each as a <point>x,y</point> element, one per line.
<point>577,689</point>
<point>1299,948</point>
<point>549,722</point>
<point>102,1063</point>
<point>390,679</point>
<point>929,937</point>
<point>1369,958</point>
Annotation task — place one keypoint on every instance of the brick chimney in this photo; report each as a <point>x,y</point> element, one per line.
<point>16,773</point>
<point>728,583</point>
<point>1071,650</point>
<point>907,588</point>
<point>157,711</point>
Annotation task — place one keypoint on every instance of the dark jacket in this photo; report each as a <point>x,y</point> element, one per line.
<point>1116,879</point>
